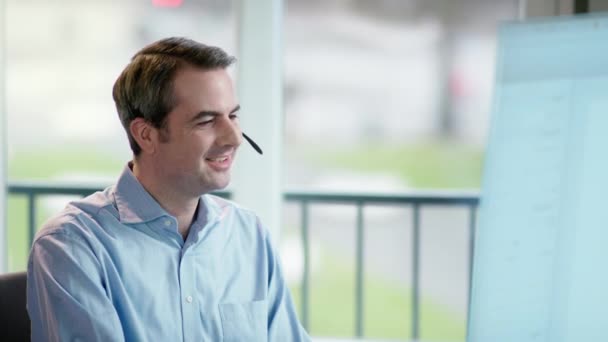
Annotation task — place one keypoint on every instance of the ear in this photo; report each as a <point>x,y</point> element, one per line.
<point>144,134</point>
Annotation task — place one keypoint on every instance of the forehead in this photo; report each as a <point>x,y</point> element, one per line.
<point>196,90</point>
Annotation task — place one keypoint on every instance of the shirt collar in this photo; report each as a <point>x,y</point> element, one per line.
<point>134,203</point>
<point>209,210</point>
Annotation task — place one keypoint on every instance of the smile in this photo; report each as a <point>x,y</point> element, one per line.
<point>218,159</point>
<point>219,163</point>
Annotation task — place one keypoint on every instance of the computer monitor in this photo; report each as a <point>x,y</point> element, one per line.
<point>541,250</point>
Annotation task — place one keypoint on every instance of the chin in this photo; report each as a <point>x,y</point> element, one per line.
<point>218,185</point>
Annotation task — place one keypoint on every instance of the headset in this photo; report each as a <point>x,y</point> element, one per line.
<point>253,144</point>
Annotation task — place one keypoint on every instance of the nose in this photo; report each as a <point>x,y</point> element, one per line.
<point>230,134</point>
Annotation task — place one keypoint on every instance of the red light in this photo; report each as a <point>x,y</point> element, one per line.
<point>167,3</point>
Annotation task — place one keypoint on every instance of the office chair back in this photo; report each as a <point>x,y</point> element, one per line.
<point>14,320</point>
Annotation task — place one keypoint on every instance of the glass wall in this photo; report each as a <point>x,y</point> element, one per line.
<point>384,96</point>
<point>399,90</point>
<point>388,97</point>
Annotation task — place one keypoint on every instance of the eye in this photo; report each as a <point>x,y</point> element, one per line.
<point>205,121</point>
<point>234,116</point>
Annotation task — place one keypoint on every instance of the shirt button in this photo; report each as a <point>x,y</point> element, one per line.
<point>167,223</point>
<point>189,299</point>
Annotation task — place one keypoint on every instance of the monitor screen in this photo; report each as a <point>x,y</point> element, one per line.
<point>541,245</point>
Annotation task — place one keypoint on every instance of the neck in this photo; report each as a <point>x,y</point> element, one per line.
<point>181,206</point>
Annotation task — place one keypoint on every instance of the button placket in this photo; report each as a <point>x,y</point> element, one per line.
<point>189,306</point>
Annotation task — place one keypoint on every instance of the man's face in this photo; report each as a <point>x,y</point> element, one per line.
<point>202,132</point>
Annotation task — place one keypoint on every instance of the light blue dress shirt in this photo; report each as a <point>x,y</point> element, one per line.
<point>113,267</point>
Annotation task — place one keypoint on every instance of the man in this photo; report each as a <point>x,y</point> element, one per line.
<point>155,257</point>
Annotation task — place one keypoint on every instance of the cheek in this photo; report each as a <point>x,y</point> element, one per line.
<point>200,143</point>
<point>192,154</point>
<point>182,153</point>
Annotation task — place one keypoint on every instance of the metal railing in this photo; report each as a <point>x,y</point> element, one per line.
<point>470,201</point>
<point>413,201</point>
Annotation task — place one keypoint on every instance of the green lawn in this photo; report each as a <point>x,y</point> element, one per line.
<point>387,307</point>
<point>434,165</point>
<point>43,164</point>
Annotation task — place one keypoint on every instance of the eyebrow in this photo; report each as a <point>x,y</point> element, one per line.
<point>204,113</point>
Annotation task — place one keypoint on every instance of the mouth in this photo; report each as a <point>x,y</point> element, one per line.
<point>219,163</point>
<point>218,159</point>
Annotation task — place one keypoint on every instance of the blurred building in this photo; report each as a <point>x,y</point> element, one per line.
<point>389,71</point>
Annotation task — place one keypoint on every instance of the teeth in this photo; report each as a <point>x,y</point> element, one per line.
<point>220,159</point>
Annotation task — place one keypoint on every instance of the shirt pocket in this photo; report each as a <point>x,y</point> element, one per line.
<point>244,321</point>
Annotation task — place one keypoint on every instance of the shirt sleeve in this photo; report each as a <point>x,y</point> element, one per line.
<point>283,323</point>
<point>66,298</point>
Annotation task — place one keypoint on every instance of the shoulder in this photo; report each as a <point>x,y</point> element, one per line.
<point>77,218</point>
